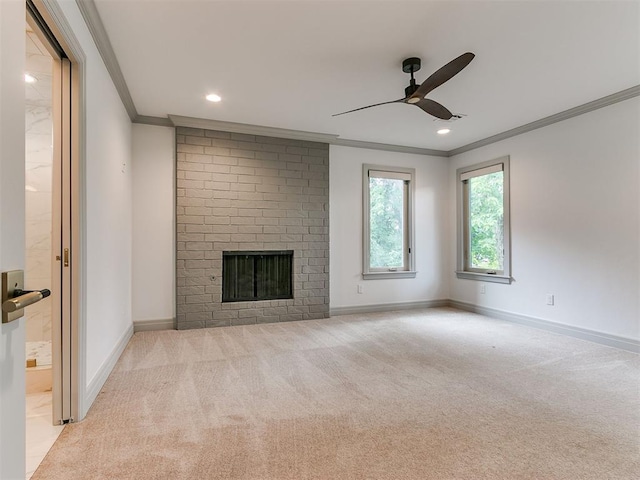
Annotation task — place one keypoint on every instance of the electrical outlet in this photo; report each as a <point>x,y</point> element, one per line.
<point>483,288</point>
<point>360,288</point>
<point>550,299</point>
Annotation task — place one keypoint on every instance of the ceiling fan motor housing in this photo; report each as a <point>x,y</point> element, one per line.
<point>411,89</point>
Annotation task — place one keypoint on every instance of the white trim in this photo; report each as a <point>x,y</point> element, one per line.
<point>388,307</point>
<point>94,387</point>
<point>623,343</point>
<point>158,324</point>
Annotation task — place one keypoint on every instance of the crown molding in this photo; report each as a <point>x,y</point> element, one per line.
<point>96,28</point>
<point>180,121</point>
<point>345,142</point>
<point>156,121</point>
<point>233,127</point>
<point>550,120</point>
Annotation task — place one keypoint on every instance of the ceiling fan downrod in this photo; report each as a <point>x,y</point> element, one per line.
<point>411,65</point>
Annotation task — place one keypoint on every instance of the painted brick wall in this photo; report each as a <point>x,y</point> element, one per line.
<point>245,192</point>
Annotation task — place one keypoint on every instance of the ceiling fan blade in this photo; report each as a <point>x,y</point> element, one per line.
<point>434,109</point>
<point>369,106</point>
<point>445,73</point>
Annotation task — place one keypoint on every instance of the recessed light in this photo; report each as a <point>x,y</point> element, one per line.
<point>212,97</point>
<point>30,78</point>
<point>443,131</point>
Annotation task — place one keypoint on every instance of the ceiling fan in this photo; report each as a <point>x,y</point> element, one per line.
<point>415,94</point>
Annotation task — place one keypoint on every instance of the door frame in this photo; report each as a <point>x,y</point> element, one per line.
<point>74,347</point>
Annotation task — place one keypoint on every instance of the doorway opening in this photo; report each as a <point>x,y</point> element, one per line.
<point>50,360</point>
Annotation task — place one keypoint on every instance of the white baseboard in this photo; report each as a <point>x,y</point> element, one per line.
<point>623,343</point>
<point>94,387</point>
<point>388,307</point>
<point>159,324</point>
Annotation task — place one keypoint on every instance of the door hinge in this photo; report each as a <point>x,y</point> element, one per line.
<point>66,257</point>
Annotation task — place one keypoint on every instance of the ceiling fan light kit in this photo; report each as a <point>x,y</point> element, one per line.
<point>415,94</point>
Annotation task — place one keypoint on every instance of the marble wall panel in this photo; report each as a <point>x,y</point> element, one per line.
<point>38,199</point>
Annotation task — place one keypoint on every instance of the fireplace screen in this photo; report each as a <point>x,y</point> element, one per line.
<point>252,276</point>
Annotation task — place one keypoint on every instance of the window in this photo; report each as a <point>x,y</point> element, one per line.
<point>388,222</point>
<point>483,229</point>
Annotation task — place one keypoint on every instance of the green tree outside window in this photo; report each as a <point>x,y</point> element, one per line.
<point>386,222</point>
<point>486,221</point>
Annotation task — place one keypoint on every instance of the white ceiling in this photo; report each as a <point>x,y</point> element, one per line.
<point>292,64</point>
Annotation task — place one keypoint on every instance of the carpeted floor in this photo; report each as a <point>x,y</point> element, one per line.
<point>421,394</point>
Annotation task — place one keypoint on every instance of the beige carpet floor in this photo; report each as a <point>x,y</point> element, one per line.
<point>421,394</point>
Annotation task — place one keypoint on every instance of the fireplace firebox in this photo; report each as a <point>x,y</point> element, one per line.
<point>257,275</point>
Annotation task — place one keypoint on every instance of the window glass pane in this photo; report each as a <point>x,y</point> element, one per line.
<point>386,223</point>
<point>486,222</point>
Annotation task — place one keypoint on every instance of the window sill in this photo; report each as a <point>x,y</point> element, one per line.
<point>484,277</point>
<point>386,275</point>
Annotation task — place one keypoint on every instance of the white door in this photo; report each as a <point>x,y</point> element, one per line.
<point>12,240</point>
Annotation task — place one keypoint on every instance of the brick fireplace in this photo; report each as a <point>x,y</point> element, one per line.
<point>237,192</point>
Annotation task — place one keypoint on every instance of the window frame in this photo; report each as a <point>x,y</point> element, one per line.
<point>463,174</point>
<point>408,270</point>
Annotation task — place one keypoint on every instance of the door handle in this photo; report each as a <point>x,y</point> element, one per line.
<point>24,298</point>
<point>15,298</point>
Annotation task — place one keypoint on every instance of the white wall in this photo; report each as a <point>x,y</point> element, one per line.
<point>12,335</point>
<point>154,224</point>
<point>345,198</point>
<point>108,228</point>
<point>574,222</point>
